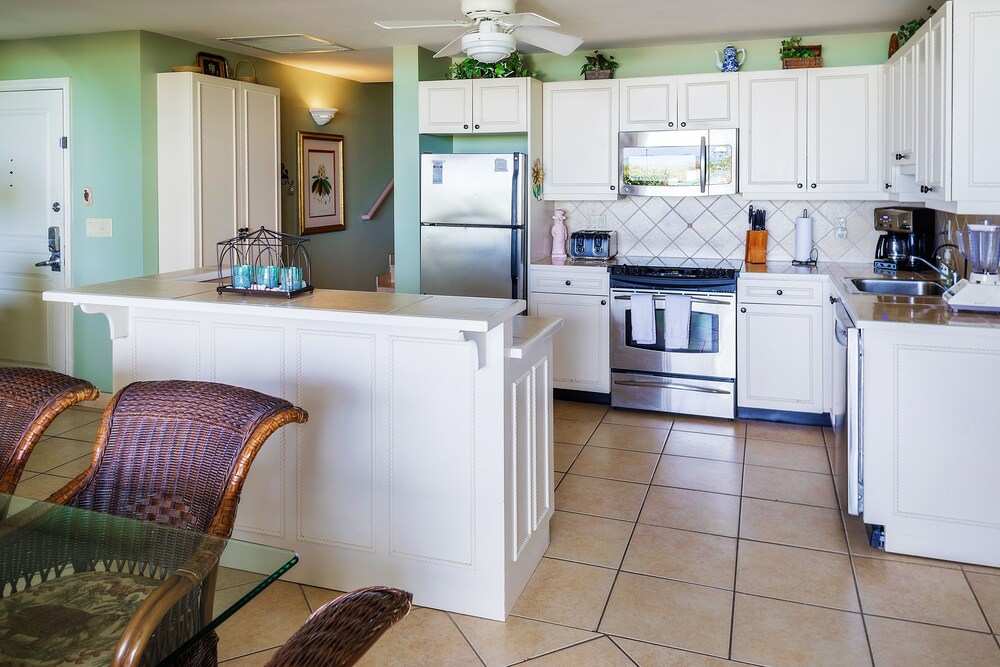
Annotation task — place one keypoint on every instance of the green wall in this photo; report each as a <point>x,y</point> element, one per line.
<point>113,150</point>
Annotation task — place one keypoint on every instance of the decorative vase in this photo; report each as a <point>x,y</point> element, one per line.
<point>559,234</point>
<point>730,62</point>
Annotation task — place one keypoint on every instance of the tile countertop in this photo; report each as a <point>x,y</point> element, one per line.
<point>874,309</point>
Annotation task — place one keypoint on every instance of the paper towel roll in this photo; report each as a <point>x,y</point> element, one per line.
<point>803,239</point>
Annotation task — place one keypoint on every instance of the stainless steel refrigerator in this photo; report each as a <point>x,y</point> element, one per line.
<point>472,236</point>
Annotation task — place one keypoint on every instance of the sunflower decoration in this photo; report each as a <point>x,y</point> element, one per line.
<point>321,184</point>
<point>537,176</point>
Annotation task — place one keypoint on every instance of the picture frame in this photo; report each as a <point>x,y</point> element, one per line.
<point>213,65</point>
<point>321,183</point>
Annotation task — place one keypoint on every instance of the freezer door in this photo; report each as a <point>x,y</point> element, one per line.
<point>472,261</point>
<point>468,189</point>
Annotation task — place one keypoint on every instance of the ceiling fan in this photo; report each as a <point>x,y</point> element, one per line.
<point>494,30</point>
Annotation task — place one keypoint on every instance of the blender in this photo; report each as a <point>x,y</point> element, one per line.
<point>980,244</point>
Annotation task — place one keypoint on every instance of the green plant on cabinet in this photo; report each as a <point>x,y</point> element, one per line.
<point>470,68</point>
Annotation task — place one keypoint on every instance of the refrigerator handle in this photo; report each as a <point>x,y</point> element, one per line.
<point>515,255</point>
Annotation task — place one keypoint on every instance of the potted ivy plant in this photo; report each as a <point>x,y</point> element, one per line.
<point>470,68</point>
<point>599,66</point>
<point>795,56</point>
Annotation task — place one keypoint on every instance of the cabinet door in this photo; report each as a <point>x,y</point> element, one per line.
<point>780,357</point>
<point>581,140</point>
<point>843,134</point>
<point>216,167</point>
<point>937,176</point>
<point>581,352</point>
<point>773,132</point>
<point>905,96</point>
<point>500,105</point>
<point>445,107</point>
<point>260,202</point>
<point>648,103</point>
<point>708,100</point>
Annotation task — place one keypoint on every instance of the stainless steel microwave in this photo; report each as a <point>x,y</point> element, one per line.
<point>688,163</point>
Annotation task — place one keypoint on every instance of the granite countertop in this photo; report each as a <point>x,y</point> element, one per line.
<point>576,263</point>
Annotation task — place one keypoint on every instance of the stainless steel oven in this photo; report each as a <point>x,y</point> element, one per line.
<point>696,379</point>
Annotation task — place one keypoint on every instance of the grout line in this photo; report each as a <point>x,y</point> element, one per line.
<point>965,575</point>
<point>736,559</point>
<point>482,660</point>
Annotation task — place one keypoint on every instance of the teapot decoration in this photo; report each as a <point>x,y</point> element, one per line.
<point>729,63</point>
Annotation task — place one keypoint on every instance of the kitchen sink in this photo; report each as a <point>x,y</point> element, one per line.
<point>897,287</point>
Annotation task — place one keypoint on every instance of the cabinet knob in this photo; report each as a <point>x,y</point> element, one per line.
<point>670,124</point>
<point>834,299</point>
<point>743,310</point>
<point>798,185</point>
<point>780,292</point>
<point>465,127</point>
<point>683,124</point>
<point>899,156</point>
<point>888,186</point>
<point>477,127</point>
<point>812,185</point>
<point>604,302</point>
<point>612,187</point>
<point>569,282</point>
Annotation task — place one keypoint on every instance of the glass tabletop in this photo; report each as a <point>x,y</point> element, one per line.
<point>80,585</point>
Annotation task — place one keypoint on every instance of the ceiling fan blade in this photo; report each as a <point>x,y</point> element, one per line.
<point>556,42</point>
<point>442,23</point>
<point>528,18</point>
<point>452,48</point>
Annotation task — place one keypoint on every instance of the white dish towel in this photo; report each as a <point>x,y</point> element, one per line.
<point>676,321</point>
<point>643,322</point>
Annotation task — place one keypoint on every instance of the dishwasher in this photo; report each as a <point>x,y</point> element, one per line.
<point>846,453</point>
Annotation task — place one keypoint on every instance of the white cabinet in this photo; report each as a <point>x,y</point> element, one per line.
<point>779,345</point>
<point>933,107</point>
<point>469,106</point>
<point>580,135</point>
<point>811,133</point>
<point>217,164</point>
<point>581,349</point>
<point>695,101</point>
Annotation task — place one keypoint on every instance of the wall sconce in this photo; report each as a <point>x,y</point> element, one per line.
<point>286,181</point>
<point>323,116</point>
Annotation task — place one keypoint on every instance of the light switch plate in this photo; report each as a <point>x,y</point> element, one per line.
<point>99,227</point>
<point>840,228</point>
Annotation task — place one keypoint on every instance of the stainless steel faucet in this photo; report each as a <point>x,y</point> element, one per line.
<point>950,276</point>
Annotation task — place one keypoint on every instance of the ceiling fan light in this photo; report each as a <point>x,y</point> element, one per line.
<point>488,47</point>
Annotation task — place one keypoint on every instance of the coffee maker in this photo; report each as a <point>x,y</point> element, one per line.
<point>909,232</point>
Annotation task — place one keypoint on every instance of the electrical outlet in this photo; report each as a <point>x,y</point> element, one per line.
<point>99,227</point>
<point>840,228</point>
<point>598,222</point>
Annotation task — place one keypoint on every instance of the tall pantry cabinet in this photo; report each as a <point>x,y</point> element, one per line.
<point>217,164</point>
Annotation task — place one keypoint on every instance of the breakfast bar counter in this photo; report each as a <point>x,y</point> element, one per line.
<point>427,461</point>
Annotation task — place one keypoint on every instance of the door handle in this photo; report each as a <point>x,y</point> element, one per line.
<point>55,248</point>
<point>671,385</point>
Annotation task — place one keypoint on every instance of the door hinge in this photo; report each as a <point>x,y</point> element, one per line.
<point>63,142</point>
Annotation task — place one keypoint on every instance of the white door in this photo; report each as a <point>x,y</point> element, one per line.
<point>580,350</point>
<point>32,199</point>
<point>773,136</point>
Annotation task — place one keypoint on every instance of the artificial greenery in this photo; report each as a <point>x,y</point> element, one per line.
<point>907,29</point>
<point>792,48</point>
<point>599,61</point>
<point>470,68</point>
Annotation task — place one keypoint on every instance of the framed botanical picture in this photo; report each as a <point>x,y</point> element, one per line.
<point>213,65</point>
<point>321,183</point>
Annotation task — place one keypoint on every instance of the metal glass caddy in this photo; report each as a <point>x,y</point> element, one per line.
<point>265,263</point>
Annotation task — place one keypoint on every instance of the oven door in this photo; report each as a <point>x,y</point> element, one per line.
<point>711,350</point>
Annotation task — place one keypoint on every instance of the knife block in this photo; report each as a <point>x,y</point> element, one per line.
<point>756,247</point>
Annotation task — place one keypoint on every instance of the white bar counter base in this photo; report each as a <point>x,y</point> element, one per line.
<point>427,460</point>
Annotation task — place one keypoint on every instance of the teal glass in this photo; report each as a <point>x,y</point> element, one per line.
<point>243,276</point>
<point>268,276</point>
<point>291,278</point>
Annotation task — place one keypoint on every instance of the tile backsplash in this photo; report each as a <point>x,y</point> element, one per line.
<point>716,226</point>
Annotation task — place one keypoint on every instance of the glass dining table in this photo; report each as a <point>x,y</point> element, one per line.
<point>82,587</point>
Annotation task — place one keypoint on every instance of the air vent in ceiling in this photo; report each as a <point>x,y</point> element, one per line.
<point>286,43</point>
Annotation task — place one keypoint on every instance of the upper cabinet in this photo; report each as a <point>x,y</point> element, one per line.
<point>696,101</point>
<point>217,164</point>
<point>811,133</point>
<point>468,106</point>
<point>580,135</point>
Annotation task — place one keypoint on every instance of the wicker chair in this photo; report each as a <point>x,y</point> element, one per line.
<point>340,632</point>
<point>171,452</point>
<point>30,399</point>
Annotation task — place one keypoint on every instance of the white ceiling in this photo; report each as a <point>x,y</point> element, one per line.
<point>601,23</point>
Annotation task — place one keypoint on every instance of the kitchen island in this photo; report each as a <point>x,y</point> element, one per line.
<point>427,460</point>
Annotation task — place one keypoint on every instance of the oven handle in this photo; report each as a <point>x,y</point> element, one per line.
<point>671,385</point>
<point>695,299</point>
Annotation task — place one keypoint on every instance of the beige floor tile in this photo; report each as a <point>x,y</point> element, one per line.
<point>804,435</point>
<point>696,558</point>
<point>917,593</point>
<point>317,597</point>
<point>637,438</point>
<point>588,539</point>
<point>557,478</point>
<point>51,453</point>
<point>565,454</point>
<point>86,433</point>
<point>794,525</point>
<point>267,621</point>
<point>651,655</point>
<point>601,652</point>
<point>620,464</point>
<point>254,660</point>
<point>566,593</point>
<point>700,474</point>
<point>40,487</point>
<point>573,431</point>
<point>981,569</point>
<point>796,575</point>
<point>787,455</point>
<point>229,577</point>
<point>703,446</point>
<point>504,643</point>
<point>857,540</point>
<point>790,486</point>
<point>772,632</point>
<point>591,412</point>
<point>424,638</point>
<point>987,590</point>
<point>601,497</point>
<point>73,468</point>
<point>645,418</point>
<point>699,511</point>
<point>670,612</point>
<point>710,425</point>
<point>71,419</point>
<point>898,643</point>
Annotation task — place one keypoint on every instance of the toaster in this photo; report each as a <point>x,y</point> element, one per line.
<point>592,244</point>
